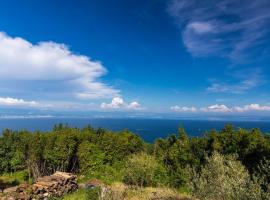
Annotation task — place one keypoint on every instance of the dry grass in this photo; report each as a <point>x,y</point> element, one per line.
<point>119,191</point>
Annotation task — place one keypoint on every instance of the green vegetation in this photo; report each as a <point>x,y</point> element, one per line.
<point>15,177</point>
<point>78,195</point>
<point>227,164</point>
<point>227,177</point>
<point>144,170</point>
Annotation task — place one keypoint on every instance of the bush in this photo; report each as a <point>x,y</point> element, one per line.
<point>143,170</point>
<point>223,177</point>
<point>262,173</point>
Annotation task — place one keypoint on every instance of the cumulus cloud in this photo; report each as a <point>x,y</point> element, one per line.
<point>221,108</point>
<point>216,108</point>
<point>119,103</point>
<point>8,101</point>
<point>183,109</point>
<point>49,67</point>
<point>134,105</point>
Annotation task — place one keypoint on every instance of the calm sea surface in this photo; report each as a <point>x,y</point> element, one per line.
<point>149,129</point>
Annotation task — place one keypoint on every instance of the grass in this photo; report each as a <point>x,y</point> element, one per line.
<point>78,195</point>
<point>119,191</point>
<point>116,191</point>
<point>124,192</point>
<point>15,178</point>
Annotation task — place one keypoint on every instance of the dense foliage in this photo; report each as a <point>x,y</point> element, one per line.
<point>86,151</point>
<point>235,160</point>
<point>144,170</point>
<point>226,177</point>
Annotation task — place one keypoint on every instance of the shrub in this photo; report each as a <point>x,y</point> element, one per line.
<point>262,173</point>
<point>144,170</point>
<point>223,177</point>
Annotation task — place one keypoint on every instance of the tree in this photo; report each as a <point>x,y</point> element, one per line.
<point>225,178</point>
<point>180,157</point>
<point>91,158</point>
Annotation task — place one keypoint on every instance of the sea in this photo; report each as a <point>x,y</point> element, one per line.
<point>148,129</point>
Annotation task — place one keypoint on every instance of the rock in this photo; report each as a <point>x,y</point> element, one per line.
<point>94,183</point>
<point>3,185</point>
<point>10,189</point>
<point>82,185</point>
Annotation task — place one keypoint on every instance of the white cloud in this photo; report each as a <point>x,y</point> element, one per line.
<point>119,103</point>
<point>197,37</point>
<point>134,105</point>
<point>251,107</point>
<point>201,27</point>
<point>221,108</point>
<point>49,67</point>
<point>216,108</point>
<point>183,109</point>
<point>8,101</point>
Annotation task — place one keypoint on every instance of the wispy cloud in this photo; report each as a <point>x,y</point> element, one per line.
<point>246,80</point>
<point>252,107</point>
<point>225,28</point>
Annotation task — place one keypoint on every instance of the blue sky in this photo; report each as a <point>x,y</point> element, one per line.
<point>179,57</point>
